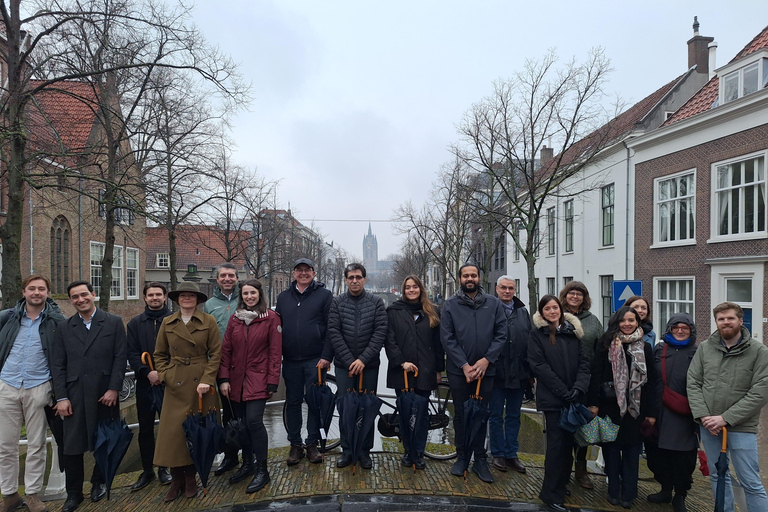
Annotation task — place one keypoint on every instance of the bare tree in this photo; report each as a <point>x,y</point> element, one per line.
<point>414,258</point>
<point>562,106</point>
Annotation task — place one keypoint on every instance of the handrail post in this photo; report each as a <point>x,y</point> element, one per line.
<point>56,488</point>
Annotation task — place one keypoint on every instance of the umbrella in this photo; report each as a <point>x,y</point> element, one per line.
<point>204,436</point>
<point>414,420</point>
<point>236,433</point>
<point>574,417</point>
<point>321,400</point>
<point>475,419</point>
<point>599,430</point>
<point>155,393</point>
<point>357,413</point>
<point>113,437</point>
<point>56,423</point>
<point>722,469</point>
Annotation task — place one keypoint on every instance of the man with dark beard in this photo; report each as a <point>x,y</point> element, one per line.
<point>473,331</point>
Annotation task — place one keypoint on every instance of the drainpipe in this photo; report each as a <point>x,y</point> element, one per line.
<point>627,221</point>
<point>31,237</point>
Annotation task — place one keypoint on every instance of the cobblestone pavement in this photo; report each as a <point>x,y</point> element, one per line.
<point>329,488</point>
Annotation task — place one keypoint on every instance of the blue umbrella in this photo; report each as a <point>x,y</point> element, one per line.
<point>414,420</point>
<point>113,437</point>
<point>574,417</point>
<point>321,400</point>
<point>476,416</point>
<point>722,469</point>
<point>204,438</point>
<point>155,393</point>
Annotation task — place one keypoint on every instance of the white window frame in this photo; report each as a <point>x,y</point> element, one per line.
<point>551,286</point>
<point>746,268</point>
<point>132,272</point>
<point>568,228</point>
<point>659,305</point>
<point>162,256</point>
<point>714,223</point>
<point>117,270</point>
<point>691,198</point>
<point>736,71</point>
<point>605,211</point>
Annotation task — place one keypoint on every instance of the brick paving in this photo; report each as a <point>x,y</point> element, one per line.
<point>387,477</point>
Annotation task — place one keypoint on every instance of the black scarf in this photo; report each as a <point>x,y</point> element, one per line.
<point>155,313</point>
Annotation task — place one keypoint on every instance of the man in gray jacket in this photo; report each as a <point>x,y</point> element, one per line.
<point>473,331</point>
<point>728,387</point>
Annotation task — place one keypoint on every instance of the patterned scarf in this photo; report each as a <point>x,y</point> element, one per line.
<point>625,378</point>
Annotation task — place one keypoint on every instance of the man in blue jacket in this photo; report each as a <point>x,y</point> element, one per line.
<point>473,331</point>
<point>304,308</point>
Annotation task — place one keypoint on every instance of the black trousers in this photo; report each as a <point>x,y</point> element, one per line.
<point>146,418</point>
<point>672,468</point>
<point>557,461</point>
<point>254,414</point>
<point>74,474</point>
<point>461,391</point>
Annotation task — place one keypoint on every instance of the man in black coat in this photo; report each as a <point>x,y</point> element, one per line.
<point>473,331</point>
<point>512,375</point>
<point>357,329</point>
<point>142,334</point>
<point>304,309</point>
<point>88,368</point>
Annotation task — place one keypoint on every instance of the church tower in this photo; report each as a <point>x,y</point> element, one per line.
<point>370,251</point>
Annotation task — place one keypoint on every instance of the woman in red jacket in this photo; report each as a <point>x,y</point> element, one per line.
<point>250,369</point>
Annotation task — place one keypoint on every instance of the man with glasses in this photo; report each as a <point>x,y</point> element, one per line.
<point>728,387</point>
<point>357,328</point>
<point>304,309</point>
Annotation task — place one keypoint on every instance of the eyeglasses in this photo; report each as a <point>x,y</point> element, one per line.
<point>303,270</point>
<point>681,328</point>
<point>575,293</point>
<point>355,278</point>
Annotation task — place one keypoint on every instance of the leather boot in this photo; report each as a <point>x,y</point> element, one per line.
<point>678,502</point>
<point>178,484</point>
<point>582,477</point>
<point>190,490</point>
<point>663,496</point>
<point>260,479</point>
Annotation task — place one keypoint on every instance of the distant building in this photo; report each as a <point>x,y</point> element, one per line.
<point>370,251</point>
<point>380,272</point>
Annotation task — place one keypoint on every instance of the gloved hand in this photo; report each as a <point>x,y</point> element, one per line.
<point>573,396</point>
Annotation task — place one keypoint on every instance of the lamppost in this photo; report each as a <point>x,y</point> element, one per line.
<point>191,274</point>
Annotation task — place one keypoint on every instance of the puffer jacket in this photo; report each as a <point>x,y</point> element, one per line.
<point>221,308</point>
<point>560,367</point>
<point>305,322</point>
<point>732,384</point>
<point>10,323</point>
<point>512,365</point>
<point>250,357</point>
<point>357,328</point>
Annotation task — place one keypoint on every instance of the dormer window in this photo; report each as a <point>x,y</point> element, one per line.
<point>744,80</point>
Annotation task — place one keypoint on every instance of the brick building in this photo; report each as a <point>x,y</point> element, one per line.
<point>700,196</point>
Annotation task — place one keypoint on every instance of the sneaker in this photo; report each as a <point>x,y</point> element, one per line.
<point>458,467</point>
<point>34,504</point>
<point>297,453</point>
<point>480,468</point>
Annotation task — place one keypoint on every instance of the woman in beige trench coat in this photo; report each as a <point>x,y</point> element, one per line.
<point>187,357</point>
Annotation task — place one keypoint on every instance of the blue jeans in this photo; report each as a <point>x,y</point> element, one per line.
<point>742,452</point>
<point>344,382</point>
<point>504,428</point>
<point>299,377</point>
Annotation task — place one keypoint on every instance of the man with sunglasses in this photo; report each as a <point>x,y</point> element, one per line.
<point>357,328</point>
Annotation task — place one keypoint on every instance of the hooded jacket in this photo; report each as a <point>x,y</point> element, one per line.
<point>221,308</point>
<point>10,323</point>
<point>732,384</point>
<point>471,329</point>
<point>512,365</point>
<point>305,322</point>
<point>560,367</point>
<point>357,328</point>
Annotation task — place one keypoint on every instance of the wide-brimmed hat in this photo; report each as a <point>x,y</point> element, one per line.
<point>187,286</point>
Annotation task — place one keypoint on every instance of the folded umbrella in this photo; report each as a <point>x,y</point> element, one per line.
<point>414,420</point>
<point>204,436</point>
<point>476,415</point>
<point>236,433</point>
<point>155,393</point>
<point>357,412</point>
<point>321,400</point>
<point>574,416</point>
<point>113,437</point>
<point>722,468</point>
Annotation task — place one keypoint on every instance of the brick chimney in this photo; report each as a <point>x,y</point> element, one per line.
<point>698,49</point>
<point>546,154</point>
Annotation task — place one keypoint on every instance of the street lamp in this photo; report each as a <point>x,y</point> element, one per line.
<point>191,274</point>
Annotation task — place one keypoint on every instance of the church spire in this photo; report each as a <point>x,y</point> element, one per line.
<point>369,229</point>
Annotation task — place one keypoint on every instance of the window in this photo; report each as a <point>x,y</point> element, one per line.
<point>673,295</point>
<point>606,203</point>
<point>551,285</point>
<point>536,240</point>
<point>132,273</point>
<point>516,246</point>
<point>517,287</point>
<point>568,207</point>
<point>499,256</point>
<point>675,208</point>
<point>60,238</point>
<point>739,198</point>
<point>606,294</point>
<point>567,280</point>
<point>739,290</point>
<point>116,291</point>
<point>122,215</point>
<point>551,231</point>
<point>743,81</point>
<point>163,260</point>
<point>97,256</point>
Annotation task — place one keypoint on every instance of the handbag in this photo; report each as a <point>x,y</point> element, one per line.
<point>609,431</point>
<point>673,400</point>
<point>607,390</point>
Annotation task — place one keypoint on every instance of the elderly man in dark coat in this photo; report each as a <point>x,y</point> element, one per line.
<point>88,368</point>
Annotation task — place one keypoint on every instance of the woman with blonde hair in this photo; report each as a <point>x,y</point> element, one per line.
<point>413,346</point>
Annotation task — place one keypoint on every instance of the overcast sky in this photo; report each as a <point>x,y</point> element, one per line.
<point>356,102</point>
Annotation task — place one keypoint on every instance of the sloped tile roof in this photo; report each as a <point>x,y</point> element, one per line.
<point>201,245</point>
<point>703,100</point>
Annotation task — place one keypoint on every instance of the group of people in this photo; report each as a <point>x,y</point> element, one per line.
<point>666,393</point>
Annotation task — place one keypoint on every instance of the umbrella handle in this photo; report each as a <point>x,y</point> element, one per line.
<point>477,390</point>
<point>200,400</point>
<point>725,440</point>
<point>319,375</point>
<point>147,360</point>
<point>360,389</point>
<point>405,376</point>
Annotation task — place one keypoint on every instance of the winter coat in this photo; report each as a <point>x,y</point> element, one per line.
<point>185,356</point>
<point>676,431</point>
<point>602,371</point>
<point>471,329</point>
<point>305,322</point>
<point>142,335</point>
<point>10,323</point>
<point>85,365</point>
<point>222,308</point>
<point>593,329</point>
<point>649,336</point>
<point>732,384</point>
<point>250,357</point>
<point>413,341</point>
<point>512,365</point>
<point>560,367</point>
<point>357,328</point>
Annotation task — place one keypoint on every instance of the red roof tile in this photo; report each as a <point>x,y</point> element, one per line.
<point>201,245</point>
<point>759,42</point>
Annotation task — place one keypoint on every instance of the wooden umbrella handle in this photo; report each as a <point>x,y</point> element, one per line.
<point>147,360</point>
<point>360,383</point>
<point>725,440</point>
<point>477,391</point>
<point>319,375</point>
<point>200,401</point>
